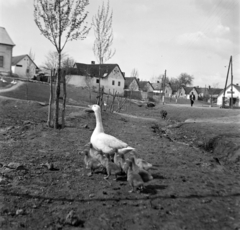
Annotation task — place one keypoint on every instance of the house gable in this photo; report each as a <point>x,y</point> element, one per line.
<point>131,83</point>
<point>145,86</point>
<point>157,86</point>
<point>5,38</point>
<point>6,47</point>
<point>17,59</point>
<point>235,87</point>
<point>236,95</point>
<point>24,66</point>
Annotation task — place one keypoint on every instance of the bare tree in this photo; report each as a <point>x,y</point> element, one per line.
<point>135,73</point>
<point>68,62</point>
<point>102,26</point>
<point>61,21</point>
<point>30,64</point>
<point>89,86</point>
<point>51,60</point>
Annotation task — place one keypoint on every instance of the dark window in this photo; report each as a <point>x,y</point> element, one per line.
<point>119,83</point>
<point>113,82</point>
<point>97,80</point>
<point>27,70</point>
<point>1,61</point>
<point>19,65</point>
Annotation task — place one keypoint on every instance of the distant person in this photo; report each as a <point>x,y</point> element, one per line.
<point>192,98</point>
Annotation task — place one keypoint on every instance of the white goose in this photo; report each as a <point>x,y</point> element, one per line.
<point>13,82</point>
<point>3,80</point>
<point>103,142</point>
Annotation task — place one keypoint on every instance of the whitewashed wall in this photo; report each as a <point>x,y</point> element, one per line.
<point>6,52</point>
<point>236,95</point>
<point>21,68</point>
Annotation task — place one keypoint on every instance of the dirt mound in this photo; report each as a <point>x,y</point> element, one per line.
<point>225,147</point>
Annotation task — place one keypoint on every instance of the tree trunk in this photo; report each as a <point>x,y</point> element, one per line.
<point>57,94</point>
<point>58,82</point>
<point>50,100</point>
<point>64,99</point>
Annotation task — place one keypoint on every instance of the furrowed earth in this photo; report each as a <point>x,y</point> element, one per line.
<point>44,183</point>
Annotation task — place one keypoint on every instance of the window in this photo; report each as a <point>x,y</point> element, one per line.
<point>27,70</point>
<point>119,83</point>
<point>97,80</point>
<point>113,82</point>
<point>19,65</point>
<point>1,61</point>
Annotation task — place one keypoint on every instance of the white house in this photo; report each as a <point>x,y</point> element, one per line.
<point>158,88</point>
<point>228,100</point>
<point>131,84</point>
<point>88,75</point>
<point>195,92</point>
<point>6,47</point>
<point>23,66</point>
<point>184,91</point>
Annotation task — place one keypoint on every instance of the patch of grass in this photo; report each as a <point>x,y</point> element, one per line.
<point>30,91</point>
<point>40,92</point>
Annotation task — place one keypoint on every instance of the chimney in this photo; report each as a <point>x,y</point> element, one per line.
<point>237,84</point>
<point>209,87</point>
<point>93,62</point>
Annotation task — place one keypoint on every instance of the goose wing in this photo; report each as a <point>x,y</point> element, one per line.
<point>106,143</point>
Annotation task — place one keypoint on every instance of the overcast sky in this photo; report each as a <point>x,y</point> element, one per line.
<point>182,36</point>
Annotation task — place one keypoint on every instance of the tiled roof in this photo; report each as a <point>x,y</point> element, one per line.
<point>129,80</point>
<point>215,91</point>
<point>17,59</point>
<point>187,89</point>
<point>157,86</point>
<point>143,84</point>
<point>93,70</point>
<point>5,38</point>
<point>201,90</point>
<point>237,87</point>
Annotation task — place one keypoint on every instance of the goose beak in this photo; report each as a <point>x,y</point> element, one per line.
<point>89,110</point>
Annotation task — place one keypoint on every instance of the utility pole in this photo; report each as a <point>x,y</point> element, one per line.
<point>164,79</point>
<point>231,84</point>
<point>224,93</point>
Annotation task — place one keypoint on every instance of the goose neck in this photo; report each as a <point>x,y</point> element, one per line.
<point>99,125</point>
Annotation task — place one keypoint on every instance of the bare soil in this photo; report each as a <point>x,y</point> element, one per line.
<point>196,171</point>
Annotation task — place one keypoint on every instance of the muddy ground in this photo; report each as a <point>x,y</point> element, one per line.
<point>196,172</point>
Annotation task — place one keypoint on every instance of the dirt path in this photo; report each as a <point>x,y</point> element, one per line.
<point>225,120</point>
<point>19,83</point>
<point>197,106</point>
<point>137,117</point>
